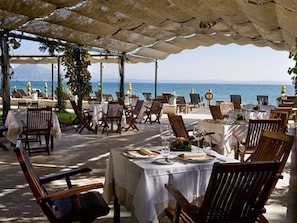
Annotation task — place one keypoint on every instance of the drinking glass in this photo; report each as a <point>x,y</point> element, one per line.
<point>198,134</point>
<point>165,132</point>
<point>165,149</point>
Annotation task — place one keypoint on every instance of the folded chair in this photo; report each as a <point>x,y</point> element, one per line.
<point>256,126</point>
<point>153,112</point>
<point>113,116</point>
<point>83,118</point>
<point>74,204</point>
<point>236,193</point>
<point>132,113</point>
<point>38,124</point>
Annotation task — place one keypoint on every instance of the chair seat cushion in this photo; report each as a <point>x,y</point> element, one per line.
<point>92,205</point>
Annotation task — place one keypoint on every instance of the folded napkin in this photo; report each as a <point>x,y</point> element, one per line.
<point>195,156</point>
<point>145,151</point>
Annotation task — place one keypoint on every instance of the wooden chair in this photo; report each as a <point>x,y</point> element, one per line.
<point>107,97</point>
<point>273,146</point>
<point>179,128</point>
<point>113,116</point>
<point>181,104</point>
<point>132,114</point>
<point>38,124</point>
<point>153,111</point>
<point>256,126</point>
<point>283,116</point>
<point>236,192</point>
<point>76,203</point>
<point>83,118</point>
<point>262,99</point>
<point>147,96</point>
<point>195,100</point>
<point>215,111</point>
<point>236,99</point>
<point>22,105</point>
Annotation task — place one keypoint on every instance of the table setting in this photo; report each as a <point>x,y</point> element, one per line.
<point>135,176</point>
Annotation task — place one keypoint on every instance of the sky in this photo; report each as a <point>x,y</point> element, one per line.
<point>213,64</point>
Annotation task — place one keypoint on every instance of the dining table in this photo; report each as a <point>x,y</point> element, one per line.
<point>14,124</point>
<point>223,129</point>
<point>138,183</point>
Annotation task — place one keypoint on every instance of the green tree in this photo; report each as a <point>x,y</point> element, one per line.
<point>293,70</point>
<point>76,62</point>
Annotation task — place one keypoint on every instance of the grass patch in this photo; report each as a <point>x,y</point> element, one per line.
<point>65,118</point>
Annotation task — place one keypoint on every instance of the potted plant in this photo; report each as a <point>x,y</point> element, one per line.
<point>34,95</point>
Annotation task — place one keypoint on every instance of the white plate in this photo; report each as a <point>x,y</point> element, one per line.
<point>134,153</point>
<point>202,159</point>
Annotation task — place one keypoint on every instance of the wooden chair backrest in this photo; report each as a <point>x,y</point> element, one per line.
<point>114,110</point>
<point>147,96</point>
<point>178,125</point>
<point>39,119</point>
<point>283,116</point>
<point>180,100</point>
<point>22,105</point>
<point>287,104</point>
<point>237,192</point>
<point>262,99</point>
<point>195,98</point>
<point>235,98</point>
<point>107,97</point>
<point>138,107</point>
<point>216,113</point>
<point>273,146</point>
<point>256,127</point>
<point>156,107</point>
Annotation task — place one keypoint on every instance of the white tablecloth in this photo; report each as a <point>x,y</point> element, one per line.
<point>139,184</point>
<point>98,110</point>
<point>223,133</point>
<point>15,126</point>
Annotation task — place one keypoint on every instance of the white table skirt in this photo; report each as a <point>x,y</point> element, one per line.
<point>223,133</point>
<point>15,126</point>
<point>139,184</point>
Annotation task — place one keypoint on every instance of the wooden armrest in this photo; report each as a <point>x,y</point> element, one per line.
<point>63,174</point>
<point>70,192</point>
<point>182,201</point>
<point>239,138</point>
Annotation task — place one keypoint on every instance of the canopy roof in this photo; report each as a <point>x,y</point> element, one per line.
<point>155,28</point>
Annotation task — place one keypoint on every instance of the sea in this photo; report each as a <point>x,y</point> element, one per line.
<point>221,92</point>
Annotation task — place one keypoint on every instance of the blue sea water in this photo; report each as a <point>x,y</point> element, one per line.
<point>221,92</point>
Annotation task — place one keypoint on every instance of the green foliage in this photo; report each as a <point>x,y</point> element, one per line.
<point>61,102</point>
<point>293,70</point>
<point>76,62</point>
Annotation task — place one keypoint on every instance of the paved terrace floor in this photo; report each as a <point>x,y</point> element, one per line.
<point>17,203</point>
